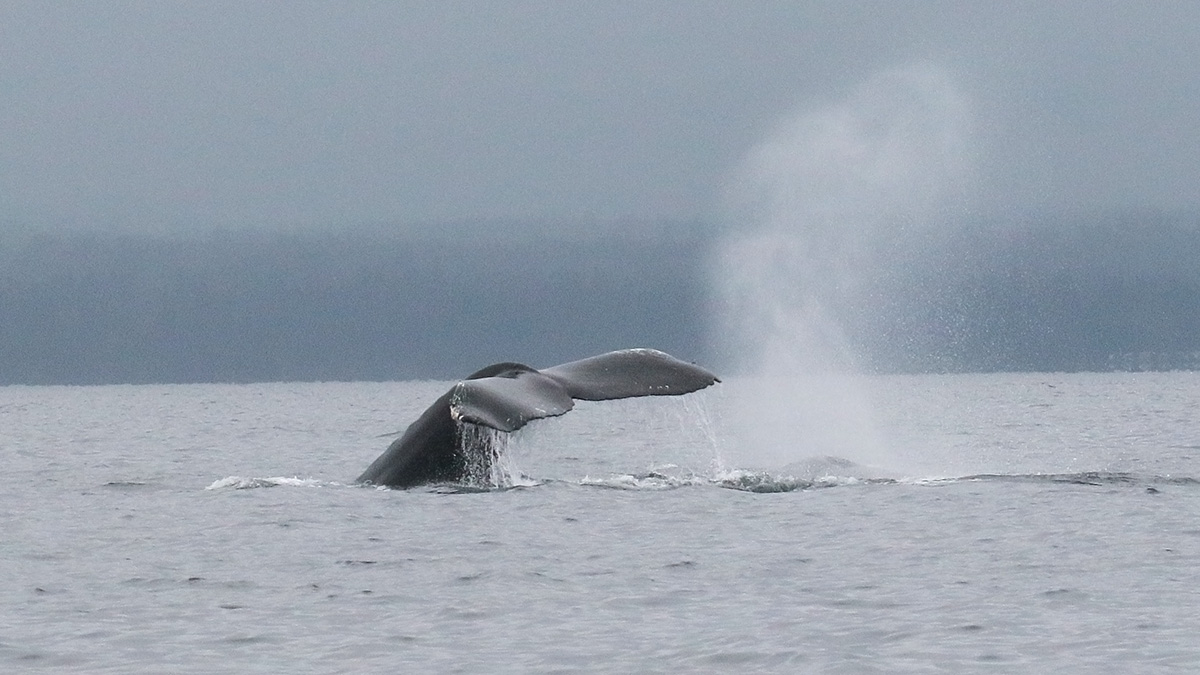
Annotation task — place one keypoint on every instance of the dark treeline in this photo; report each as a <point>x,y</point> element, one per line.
<point>88,308</point>
<point>1111,292</point>
<point>1119,292</point>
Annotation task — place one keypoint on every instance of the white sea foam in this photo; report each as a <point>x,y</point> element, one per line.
<point>243,483</point>
<point>818,473</point>
<point>648,481</point>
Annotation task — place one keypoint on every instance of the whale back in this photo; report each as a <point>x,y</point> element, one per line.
<point>426,452</point>
<point>505,369</point>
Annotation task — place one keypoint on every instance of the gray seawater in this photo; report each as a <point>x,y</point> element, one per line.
<point>1007,523</point>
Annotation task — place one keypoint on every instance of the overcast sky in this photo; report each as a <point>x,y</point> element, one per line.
<point>181,115</point>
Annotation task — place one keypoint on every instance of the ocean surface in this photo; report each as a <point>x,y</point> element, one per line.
<point>986,523</point>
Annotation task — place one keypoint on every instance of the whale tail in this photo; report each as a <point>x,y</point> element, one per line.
<point>506,396</point>
<point>509,398</point>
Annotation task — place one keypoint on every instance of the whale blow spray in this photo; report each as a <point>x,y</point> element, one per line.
<point>812,214</point>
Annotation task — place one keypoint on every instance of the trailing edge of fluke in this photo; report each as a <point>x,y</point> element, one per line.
<point>506,396</point>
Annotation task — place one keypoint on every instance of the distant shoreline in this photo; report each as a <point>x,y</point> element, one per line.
<point>1099,293</point>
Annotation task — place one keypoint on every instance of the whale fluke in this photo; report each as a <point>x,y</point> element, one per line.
<point>506,396</point>
<point>629,373</point>
<point>507,401</point>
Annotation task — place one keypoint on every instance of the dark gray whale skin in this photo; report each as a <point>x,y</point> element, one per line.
<point>505,396</point>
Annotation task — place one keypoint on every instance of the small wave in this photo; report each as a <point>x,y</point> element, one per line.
<point>467,488</point>
<point>808,473</point>
<point>762,482</point>
<point>767,481</point>
<point>651,480</point>
<point>130,485</point>
<point>813,472</point>
<point>1096,478</point>
<point>242,483</point>
<point>734,479</point>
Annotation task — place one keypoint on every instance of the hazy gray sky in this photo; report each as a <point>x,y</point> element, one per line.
<point>272,113</point>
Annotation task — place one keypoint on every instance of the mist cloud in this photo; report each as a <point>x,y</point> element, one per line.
<point>819,210</point>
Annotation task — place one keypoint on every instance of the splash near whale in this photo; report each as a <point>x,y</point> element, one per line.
<point>456,436</point>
